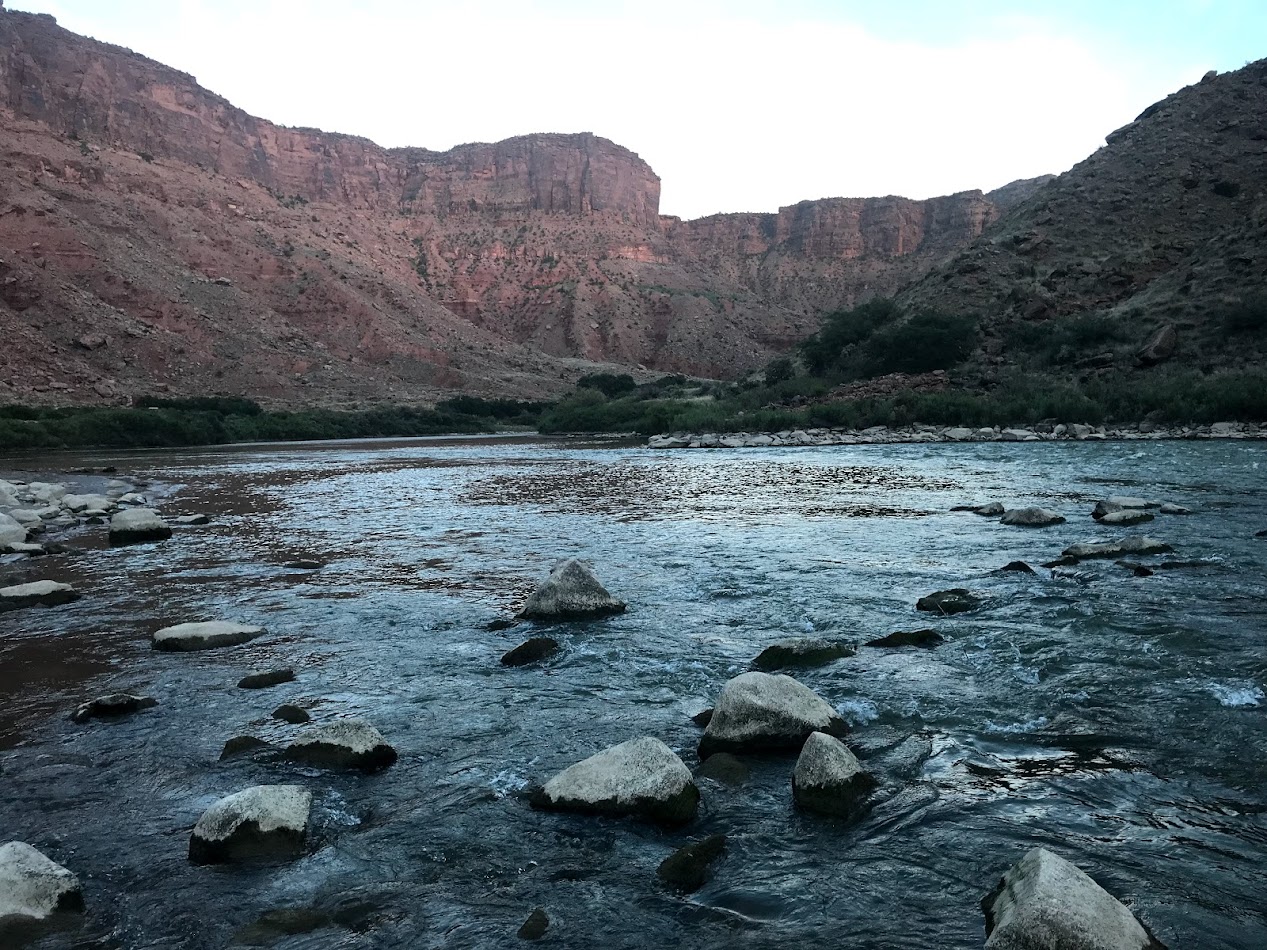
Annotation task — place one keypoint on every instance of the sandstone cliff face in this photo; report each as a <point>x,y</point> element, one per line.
<point>154,236</point>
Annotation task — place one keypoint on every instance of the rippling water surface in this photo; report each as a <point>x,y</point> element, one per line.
<point>1117,720</point>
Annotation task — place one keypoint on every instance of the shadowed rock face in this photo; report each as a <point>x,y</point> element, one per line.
<point>571,592</point>
<point>346,744</point>
<point>1044,901</point>
<point>641,777</point>
<point>828,778</point>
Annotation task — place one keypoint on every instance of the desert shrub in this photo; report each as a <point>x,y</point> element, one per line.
<point>844,330</point>
<point>609,384</point>
<point>778,370</point>
<point>928,341</point>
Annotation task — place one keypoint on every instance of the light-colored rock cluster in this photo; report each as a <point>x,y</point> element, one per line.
<point>766,711</point>
<point>926,433</point>
<point>641,777</point>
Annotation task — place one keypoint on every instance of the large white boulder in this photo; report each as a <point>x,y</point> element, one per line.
<point>829,779</point>
<point>640,777</point>
<point>1125,518</point>
<point>12,531</point>
<point>138,526</point>
<point>1043,901</point>
<point>205,635</point>
<point>758,711</point>
<point>1032,517</point>
<point>47,492</point>
<point>571,592</point>
<point>34,891</point>
<point>78,503</point>
<point>345,744</point>
<point>261,822</point>
<point>36,594</point>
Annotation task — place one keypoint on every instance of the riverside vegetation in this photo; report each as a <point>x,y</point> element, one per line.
<point>821,385</point>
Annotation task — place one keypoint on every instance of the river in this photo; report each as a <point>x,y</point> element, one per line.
<point>1117,720</point>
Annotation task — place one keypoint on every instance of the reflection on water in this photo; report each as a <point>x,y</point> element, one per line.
<point>1116,719</point>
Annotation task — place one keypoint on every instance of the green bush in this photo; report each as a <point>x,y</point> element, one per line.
<point>609,384</point>
<point>843,330</point>
<point>926,342</point>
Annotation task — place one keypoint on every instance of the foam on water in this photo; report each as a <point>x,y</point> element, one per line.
<point>1233,695</point>
<point>858,712</point>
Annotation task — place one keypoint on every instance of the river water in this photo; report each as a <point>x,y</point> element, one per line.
<point>1117,720</point>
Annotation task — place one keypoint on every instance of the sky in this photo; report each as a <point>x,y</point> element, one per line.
<point>738,106</point>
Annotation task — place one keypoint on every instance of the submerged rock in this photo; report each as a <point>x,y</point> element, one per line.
<point>909,638</point>
<point>1032,517</point>
<point>303,564</point>
<point>1044,901</point>
<point>641,777</point>
<point>801,652</point>
<point>267,678</point>
<point>991,510</point>
<point>1132,545</point>
<point>261,822</point>
<point>1015,567</point>
<point>36,594</point>
<point>205,635</point>
<point>1126,501</point>
<point>725,768</point>
<point>292,714</point>
<point>531,651</point>
<point>764,711</point>
<point>571,592</point>
<point>35,892</point>
<point>346,744</point>
<point>535,927</point>
<point>1172,509</point>
<point>828,778</point>
<point>138,526</point>
<point>116,704</point>
<point>239,745</point>
<point>954,601</point>
<point>688,868</point>
<point>191,520</point>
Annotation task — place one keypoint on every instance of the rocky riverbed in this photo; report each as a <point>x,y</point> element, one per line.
<point>296,724</point>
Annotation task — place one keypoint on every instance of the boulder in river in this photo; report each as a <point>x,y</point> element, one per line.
<point>205,635</point>
<point>1119,502</point>
<point>766,711</point>
<point>1015,567</point>
<point>535,927</point>
<point>641,777</point>
<point>81,503</point>
<point>802,652</point>
<point>1032,517</point>
<point>267,678</point>
<point>909,638</point>
<point>345,744</point>
<point>957,600</point>
<point>12,531</point>
<point>688,868</point>
<point>1137,544</point>
<point>1125,518</point>
<point>292,714</point>
<point>191,520</point>
<point>114,705</point>
<point>261,822</point>
<point>36,594</point>
<point>35,892</point>
<point>1044,901</point>
<point>571,592</point>
<point>828,778</point>
<point>533,650</point>
<point>138,526</point>
<point>1170,508</point>
<point>239,745</point>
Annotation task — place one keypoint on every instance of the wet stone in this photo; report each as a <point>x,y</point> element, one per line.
<point>1131,545</point>
<point>346,744</point>
<point>291,714</point>
<point>36,894</point>
<point>828,778</point>
<point>766,712</point>
<point>240,745</point>
<point>261,822</point>
<point>703,718</point>
<point>571,592</point>
<point>191,520</point>
<point>531,651</point>
<point>204,635</point>
<point>641,777</point>
<point>955,601</point>
<point>909,638</point>
<point>801,652</point>
<point>138,526</point>
<point>1032,517</point>
<point>535,927</point>
<point>267,678</point>
<point>36,594</point>
<point>689,868</point>
<point>1015,567</point>
<point>1126,518</point>
<point>112,706</point>
<point>724,768</point>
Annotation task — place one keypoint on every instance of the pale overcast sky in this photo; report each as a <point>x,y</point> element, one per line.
<point>738,106</point>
